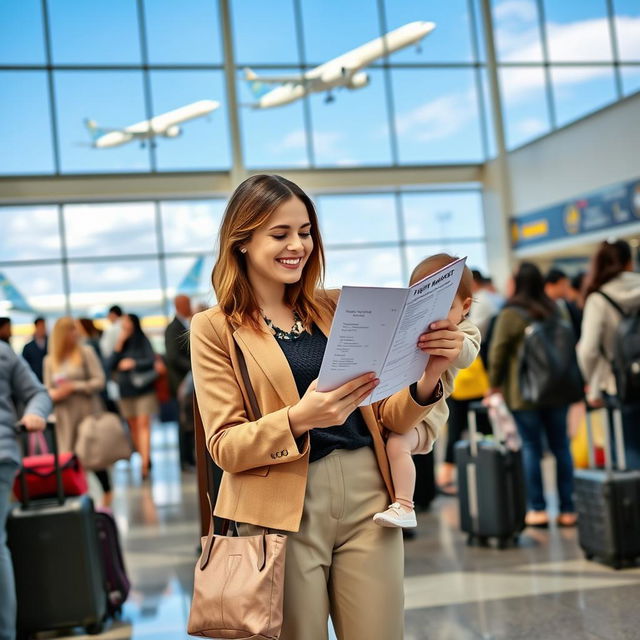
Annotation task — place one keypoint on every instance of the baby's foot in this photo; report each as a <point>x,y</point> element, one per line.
<point>396,516</point>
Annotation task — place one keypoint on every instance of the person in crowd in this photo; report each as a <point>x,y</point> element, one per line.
<point>74,377</point>
<point>134,363</point>
<point>611,273</point>
<point>486,302</point>
<point>5,330</point>
<point>18,385</point>
<point>529,303</point>
<point>420,439</point>
<point>558,287</point>
<point>313,465</point>
<point>576,290</point>
<point>110,335</point>
<point>178,359</point>
<point>90,334</point>
<point>35,350</point>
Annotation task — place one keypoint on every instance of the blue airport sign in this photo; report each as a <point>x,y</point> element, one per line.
<point>601,210</point>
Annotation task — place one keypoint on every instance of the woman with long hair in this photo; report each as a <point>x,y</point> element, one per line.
<point>74,378</point>
<point>133,363</point>
<point>611,290</point>
<point>528,304</point>
<point>307,463</point>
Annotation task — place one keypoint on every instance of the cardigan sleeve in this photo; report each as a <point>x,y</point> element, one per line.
<point>508,329</point>
<point>235,442</point>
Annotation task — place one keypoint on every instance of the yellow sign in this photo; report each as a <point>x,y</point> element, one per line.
<point>535,229</point>
<point>572,218</point>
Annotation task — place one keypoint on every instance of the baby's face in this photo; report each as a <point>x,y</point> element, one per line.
<point>459,310</point>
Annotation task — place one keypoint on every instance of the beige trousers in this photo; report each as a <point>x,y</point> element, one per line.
<point>341,563</point>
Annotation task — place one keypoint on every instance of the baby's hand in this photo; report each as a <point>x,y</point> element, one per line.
<point>443,343</point>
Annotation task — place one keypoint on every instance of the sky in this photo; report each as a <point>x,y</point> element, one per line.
<point>410,113</point>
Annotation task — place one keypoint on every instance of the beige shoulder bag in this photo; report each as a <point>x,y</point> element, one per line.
<point>239,581</point>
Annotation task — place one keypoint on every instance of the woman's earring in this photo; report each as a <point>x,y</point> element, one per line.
<point>243,250</point>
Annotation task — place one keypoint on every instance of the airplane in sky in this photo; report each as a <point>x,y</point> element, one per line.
<point>343,71</point>
<point>96,303</point>
<point>166,124</point>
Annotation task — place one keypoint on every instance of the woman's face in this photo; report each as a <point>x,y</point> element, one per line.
<point>72,337</point>
<point>280,248</point>
<point>126,324</point>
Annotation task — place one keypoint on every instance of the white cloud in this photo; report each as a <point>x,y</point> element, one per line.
<point>531,127</point>
<point>515,11</point>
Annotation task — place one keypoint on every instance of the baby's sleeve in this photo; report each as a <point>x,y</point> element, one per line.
<point>470,346</point>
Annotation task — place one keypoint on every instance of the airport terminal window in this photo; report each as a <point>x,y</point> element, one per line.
<point>183,34</point>
<point>578,31</point>
<point>581,90</point>
<point>191,276</point>
<point>627,23</point>
<point>90,103</point>
<point>21,33</point>
<point>476,252</point>
<point>517,31</point>
<point>436,117</point>
<point>203,142</point>
<point>630,79</point>
<point>358,23</point>
<point>354,129</point>
<point>254,24</point>
<point>96,32</point>
<point>358,219</point>
<point>275,137</point>
<point>449,42</point>
<point>27,110</point>
<point>524,104</point>
<point>191,225</point>
<point>17,240</point>
<point>380,267</point>
<point>110,229</point>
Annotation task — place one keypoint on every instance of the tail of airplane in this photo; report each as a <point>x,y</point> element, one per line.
<point>190,284</point>
<point>258,89</point>
<point>17,300</point>
<point>94,130</point>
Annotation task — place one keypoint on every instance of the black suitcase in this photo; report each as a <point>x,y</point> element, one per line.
<point>490,487</point>
<point>608,503</point>
<point>425,490</point>
<point>57,563</point>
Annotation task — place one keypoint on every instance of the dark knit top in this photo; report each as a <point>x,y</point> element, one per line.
<point>304,355</point>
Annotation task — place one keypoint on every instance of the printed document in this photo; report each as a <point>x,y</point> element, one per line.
<point>377,329</point>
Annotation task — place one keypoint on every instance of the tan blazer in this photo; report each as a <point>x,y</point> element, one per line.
<point>265,468</point>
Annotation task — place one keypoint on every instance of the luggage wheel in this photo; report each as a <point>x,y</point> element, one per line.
<point>95,629</point>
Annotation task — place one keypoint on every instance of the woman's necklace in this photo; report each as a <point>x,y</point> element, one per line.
<point>296,330</point>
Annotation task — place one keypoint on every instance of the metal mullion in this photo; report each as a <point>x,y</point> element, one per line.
<point>148,101</point>
<point>551,106</point>
<point>112,258</point>
<point>388,86</point>
<point>401,234</point>
<point>306,101</point>
<point>162,266</point>
<point>53,114</point>
<point>614,49</point>
<point>478,76</point>
<point>64,260</point>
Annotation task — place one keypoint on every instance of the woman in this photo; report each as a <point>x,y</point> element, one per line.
<point>133,362</point>
<point>611,274</point>
<point>90,334</point>
<point>74,378</point>
<point>314,465</point>
<point>529,303</point>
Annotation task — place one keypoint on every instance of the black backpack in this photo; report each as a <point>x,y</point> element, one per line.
<point>548,372</point>
<point>626,354</point>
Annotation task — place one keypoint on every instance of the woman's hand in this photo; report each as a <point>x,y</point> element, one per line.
<point>443,343</point>
<point>126,364</point>
<point>32,422</point>
<point>318,410</point>
<point>62,391</point>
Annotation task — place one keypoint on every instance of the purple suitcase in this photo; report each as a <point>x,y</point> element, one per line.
<point>117,581</point>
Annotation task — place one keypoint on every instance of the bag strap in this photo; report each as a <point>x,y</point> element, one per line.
<point>613,303</point>
<point>247,384</point>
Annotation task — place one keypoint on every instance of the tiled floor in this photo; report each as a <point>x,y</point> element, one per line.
<point>543,589</point>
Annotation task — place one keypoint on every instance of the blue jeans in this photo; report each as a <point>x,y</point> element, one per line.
<point>7,585</point>
<point>531,426</point>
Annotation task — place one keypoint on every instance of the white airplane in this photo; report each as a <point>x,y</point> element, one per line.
<point>166,124</point>
<point>343,71</point>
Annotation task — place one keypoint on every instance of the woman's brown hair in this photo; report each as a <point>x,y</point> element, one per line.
<point>611,259</point>
<point>438,261</point>
<point>250,206</point>
<point>58,349</point>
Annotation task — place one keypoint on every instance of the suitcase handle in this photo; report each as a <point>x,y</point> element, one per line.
<point>611,405</point>
<point>23,432</point>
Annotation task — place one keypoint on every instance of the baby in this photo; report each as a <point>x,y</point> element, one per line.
<point>420,439</point>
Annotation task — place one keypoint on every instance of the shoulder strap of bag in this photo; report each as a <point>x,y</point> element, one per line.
<point>247,384</point>
<point>613,303</point>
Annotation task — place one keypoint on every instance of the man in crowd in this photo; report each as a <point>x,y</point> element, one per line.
<point>176,339</point>
<point>18,385</point>
<point>486,302</point>
<point>110,335</point>
<point>558,287</point>
<point>5,330</point>
<point>35,351</point>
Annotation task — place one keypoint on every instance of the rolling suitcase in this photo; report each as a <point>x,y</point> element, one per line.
<point>608,502</point>
<point>115,573</point>
<point>490,487</point>
<point>57,564</point>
